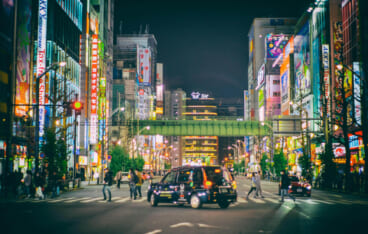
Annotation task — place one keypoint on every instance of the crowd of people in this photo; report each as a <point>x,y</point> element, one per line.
<point>14,185</point>
<point>136,180</point>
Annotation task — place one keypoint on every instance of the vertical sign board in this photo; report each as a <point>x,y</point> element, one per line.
<point>41,62</point>
<point>94,73</point>
<point>326,75</point>
<point>357,97</point>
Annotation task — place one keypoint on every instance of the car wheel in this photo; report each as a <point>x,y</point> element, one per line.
<point>154,201</point>
<point>195,202</point>
<point>224,204</point>
<point>308,195</point>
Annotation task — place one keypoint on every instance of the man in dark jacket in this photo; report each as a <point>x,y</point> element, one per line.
<point>107,184</point>
<point>284,186</point>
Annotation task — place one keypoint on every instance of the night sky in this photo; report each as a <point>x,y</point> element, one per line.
<point>202,44</point>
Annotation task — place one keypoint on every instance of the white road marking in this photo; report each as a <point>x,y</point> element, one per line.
<point>184,224</point>
<point>257,200</point>
<point>76,199</point>
<point>61,200</point>
<point>242,200</point>
<point>123,200</point>
<point>202,225</point>
<point>325,202</point>
<point>309,202</point>
<point>154,231</point>
<point>91,200</point>
<point>272,200</point>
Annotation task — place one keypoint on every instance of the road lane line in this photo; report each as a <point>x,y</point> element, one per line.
<point>272,200</point>
<point>154,231</point>
<point>309,202</point>
<point>61,200</point>
<point>242,200</point>
<point>325,202</point>
<point>257,200</point>
<point>139,200</point>
<point>91,200</point>
<point>123,200</point>
<point>76,199</point>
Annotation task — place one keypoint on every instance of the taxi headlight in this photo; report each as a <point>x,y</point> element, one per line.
<point>290,186</point>
<point>309,187</point>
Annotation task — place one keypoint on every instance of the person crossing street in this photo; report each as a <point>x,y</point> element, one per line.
<point>284,186</point>
<point>107,184</point>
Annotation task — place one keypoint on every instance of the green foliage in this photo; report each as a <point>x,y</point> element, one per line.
<point>239,167</point>
<point>55,153</point>
<point>265,164</point>
<point>305,163</point>
<point>167,166</point>
<point>119,159</point>
<point>329,167</point>
<point>280,162</point>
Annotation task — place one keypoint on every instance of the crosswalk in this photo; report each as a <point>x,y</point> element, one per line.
<point>82,200</point>
<point>241,200</point>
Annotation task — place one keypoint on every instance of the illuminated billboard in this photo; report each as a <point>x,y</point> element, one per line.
<point>275,45</point>
<point>144,66</point>
<point>23,58</point>
<point>357,103</point>
<point>302,62</point>
<point>41,62</point>
<point>94,73</point>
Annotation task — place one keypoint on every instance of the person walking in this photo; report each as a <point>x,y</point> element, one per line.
<point>39,184</point>
<point>107,183</point>
<point>258,184</point>
<point>28,184</point>
<point>284,186</point>
<point>253,185</point>
<point>118,178</point>
<point>133,179</point>
<point>138,186</point>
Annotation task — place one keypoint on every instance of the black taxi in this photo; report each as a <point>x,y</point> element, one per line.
<point>195,185</point>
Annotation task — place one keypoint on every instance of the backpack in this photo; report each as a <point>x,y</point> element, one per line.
<point>136,179</point>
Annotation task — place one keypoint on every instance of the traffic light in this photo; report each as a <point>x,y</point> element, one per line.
<point>77,106</point>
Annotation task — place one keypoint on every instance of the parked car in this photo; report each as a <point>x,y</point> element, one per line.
<point>194,185</point>
<point>124,177</point>
<point>298,186</point>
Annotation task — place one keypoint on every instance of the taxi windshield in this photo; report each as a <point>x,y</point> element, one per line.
<point>217,175</point>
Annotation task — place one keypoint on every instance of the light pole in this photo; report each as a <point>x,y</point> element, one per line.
<point>306,149</point>
<point>137,141</point>
<point>53,66</point>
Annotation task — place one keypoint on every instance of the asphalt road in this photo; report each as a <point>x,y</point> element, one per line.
<point>84,211</point>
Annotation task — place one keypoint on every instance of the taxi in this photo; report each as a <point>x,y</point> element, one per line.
<point>194,185</point>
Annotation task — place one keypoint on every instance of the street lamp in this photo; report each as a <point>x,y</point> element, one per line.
<point>53,66</point>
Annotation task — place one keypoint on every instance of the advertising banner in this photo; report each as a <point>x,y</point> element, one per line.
<point>41,62</point>
<point>357,105</point>
<point>144,66</point>
<point>94,82</point>
<point>326,75</point>
<point>159,74</point>
<point>302,62</point>
<point>338,40</point>
<point>261,76</point>
<point>23,58</point>
<point>275,45</point>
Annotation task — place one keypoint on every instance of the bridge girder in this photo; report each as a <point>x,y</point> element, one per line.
<point>221,128</point>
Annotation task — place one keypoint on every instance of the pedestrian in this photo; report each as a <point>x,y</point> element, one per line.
<point>53,184</point>
<point>39,185</point>
<point>96,176</point>
<point>107,184</point>
<point>28,184</point>
<point>133,179</point>
<point>258,185</point>
<point>118,178</point>
<point>93,172</point>
<point>284,186</point>
<point>253,185</point>
<point>138,186</point>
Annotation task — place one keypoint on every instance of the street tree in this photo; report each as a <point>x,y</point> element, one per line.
<point>119,159</point>
<point>280,162</point>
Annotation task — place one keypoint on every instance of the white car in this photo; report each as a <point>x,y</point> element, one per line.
<point>124,177</point>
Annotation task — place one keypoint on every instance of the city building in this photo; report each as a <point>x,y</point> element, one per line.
<point>200,150</point>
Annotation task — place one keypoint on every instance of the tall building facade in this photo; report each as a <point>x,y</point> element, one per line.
<point>200,150</point>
